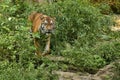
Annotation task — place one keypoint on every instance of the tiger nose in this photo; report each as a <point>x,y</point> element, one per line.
<point>49,30</point>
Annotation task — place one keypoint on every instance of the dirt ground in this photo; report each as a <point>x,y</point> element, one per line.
<point>105,73</point>
<point>116,26</point>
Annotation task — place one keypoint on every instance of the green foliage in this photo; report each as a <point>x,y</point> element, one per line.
<point>82,35</point>
<point>15,71</point>
<point>117,71</point>
<point>109,50</point>
<point>104,8</point>
<point>84,58</point>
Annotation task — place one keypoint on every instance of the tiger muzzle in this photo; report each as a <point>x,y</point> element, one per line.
<point>49,31</point>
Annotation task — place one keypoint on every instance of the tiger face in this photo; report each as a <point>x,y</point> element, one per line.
<point>47,26</point>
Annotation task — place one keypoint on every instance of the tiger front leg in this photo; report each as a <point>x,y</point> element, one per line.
<point>37,45</point>
<point>47,47</point>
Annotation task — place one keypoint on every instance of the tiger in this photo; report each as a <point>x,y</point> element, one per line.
<point>43,25</point>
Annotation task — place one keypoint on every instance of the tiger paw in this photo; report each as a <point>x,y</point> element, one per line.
<point>38,54</point>
<point>45,53</point>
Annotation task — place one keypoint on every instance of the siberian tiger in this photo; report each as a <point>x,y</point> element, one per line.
<point>44,26</point>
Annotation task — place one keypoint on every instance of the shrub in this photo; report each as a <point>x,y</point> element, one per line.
<point>116,71</point>
<point>84,58</point>
<point>15,71</point>
<point>108,50</point>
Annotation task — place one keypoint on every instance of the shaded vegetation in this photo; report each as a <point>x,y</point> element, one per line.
<point>117,71</point>
<point>108,5</point>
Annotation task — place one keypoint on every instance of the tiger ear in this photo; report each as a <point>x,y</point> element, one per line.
<point>31,16</point>
<point>41,17</point>
<point>53,18</point>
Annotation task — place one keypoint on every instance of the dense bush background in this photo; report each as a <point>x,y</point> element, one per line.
<point>112,5</point>
<point>82,34</point>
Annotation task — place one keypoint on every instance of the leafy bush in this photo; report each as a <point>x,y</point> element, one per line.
<point>15,71</point>
<point>117,71</point>
<point>84,58</point>
<point>109,50</point>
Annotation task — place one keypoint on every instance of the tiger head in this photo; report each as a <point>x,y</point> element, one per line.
<point>47,25</point>
<point>42,23</point>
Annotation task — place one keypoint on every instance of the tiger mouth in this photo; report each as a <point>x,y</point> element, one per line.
<point>48,33</point>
